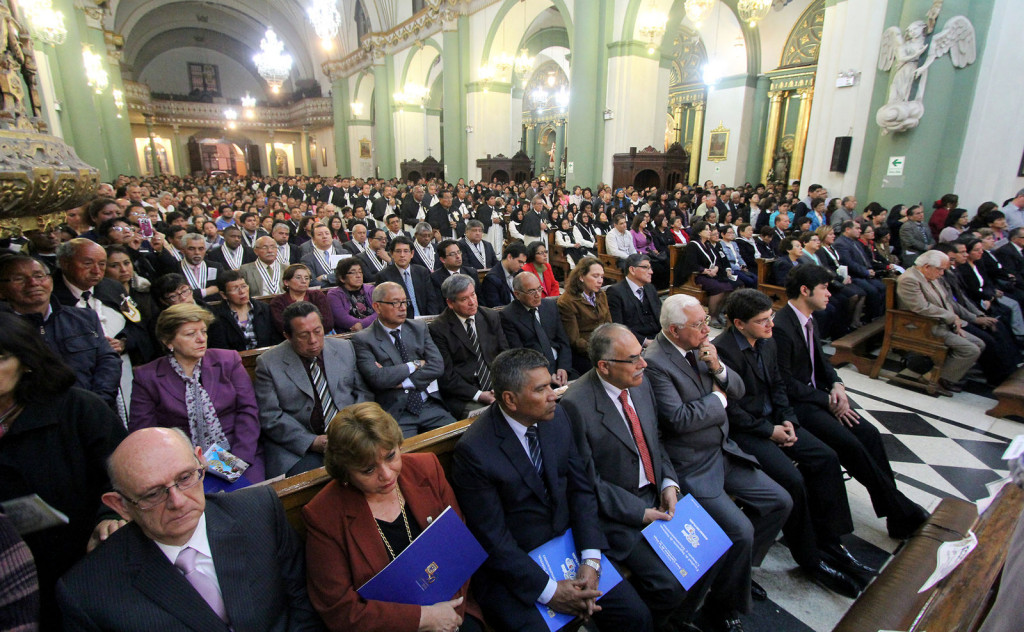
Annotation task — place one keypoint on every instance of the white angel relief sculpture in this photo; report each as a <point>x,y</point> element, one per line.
<point>903,50</point>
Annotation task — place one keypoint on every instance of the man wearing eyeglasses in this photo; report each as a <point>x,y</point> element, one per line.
<point>634,301</point>
<point>693,388</point>
<point>532,322</point>
<point>266,274</point>
<point>185,561</point>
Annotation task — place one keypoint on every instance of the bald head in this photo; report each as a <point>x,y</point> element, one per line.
<point>141,446</point>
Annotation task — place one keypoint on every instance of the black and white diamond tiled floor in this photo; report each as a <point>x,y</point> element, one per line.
<point>938,447</point>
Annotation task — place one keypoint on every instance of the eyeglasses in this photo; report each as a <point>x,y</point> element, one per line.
<point>763,322</point>
<point>396,304</point>
<point>180,295</point>
<point>700,323</point>
<point>21,279</point>
<point>148,501</point>
<point>535,291</point>
<point>633,359</point>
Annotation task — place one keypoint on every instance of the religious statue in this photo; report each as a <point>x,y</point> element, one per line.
<point>902,52</point>
<point>780,165</point>
<point>551,156</point>
<point>12,57</point>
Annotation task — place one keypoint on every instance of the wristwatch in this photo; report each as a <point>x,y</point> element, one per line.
<point>594,564</point>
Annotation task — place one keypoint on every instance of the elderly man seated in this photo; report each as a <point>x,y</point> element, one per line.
<point>919,291</point>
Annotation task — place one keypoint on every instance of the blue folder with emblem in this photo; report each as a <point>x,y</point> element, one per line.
<point>431,569</point>
<point>690,543</point>
<point>559,559</point>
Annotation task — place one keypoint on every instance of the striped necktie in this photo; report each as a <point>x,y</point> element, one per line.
<point>322,392</point>
<point>533,441</point>
<point>483,374</point>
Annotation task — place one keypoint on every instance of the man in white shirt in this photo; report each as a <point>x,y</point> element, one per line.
<point>189,558</point>
<point>1014,211</point>
<point>619,241</point>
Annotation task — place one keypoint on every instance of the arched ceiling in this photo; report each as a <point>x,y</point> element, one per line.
<point>198,38</point>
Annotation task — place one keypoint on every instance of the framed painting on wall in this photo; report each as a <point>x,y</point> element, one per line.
<point>203,78</point>
<point>718,144</point>
<point>364,148</point>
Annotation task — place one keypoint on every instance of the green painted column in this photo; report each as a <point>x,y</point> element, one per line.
<point>83,119</point>
<point>273,155</point>
<point>115,144</point>
<point>540,156</point>
<point>464,57</point>
<point>559,146</point>
<point>531,143</point>
<point>932,149</point>
<point>179,151</point>
<point>453,136</point>
<point>124,153</point>
<point>757,126</point>
<point>342,107</point>
<point>58,91</point>
<point>382,68</point>
<point>588,83</point>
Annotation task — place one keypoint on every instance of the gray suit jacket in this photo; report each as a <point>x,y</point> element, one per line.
<point>285,397</point>
<point>694,426</point>
<point>254,279</point>
<point>916,294</point>
<point>605,442</point>
<point>375,346</point>
<point>129,584</point>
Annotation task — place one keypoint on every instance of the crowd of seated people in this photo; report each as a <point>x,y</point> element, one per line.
<point>378,310</point>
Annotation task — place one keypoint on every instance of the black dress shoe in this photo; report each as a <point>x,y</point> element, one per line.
<point>841,558</point>
<point>950,386</point>
<point>902,527</point>
<point>731,624</point>
<point>757,591</point>
<point>835,580</point>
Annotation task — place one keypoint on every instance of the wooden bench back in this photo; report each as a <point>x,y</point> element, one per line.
<point>689,287</point>
<point>612,271</point>
<point>775,292</point>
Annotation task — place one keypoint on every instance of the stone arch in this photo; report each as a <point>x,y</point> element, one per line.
<point>408,60</point>
<point>804,41</point>
<point>647,178</point>
<point>676,15</point>
<point>503,10</point>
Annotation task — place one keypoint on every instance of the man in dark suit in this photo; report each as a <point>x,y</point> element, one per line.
<point>232,254</point>
<point>764,425</point>
<point>533,322</point>
<point>287,254</point>
<point>375,258</point>
<point>441,218</point>
<point>534,221</point>
<point>200,274</point>
<point>450,256</point>
<point>521,482</point>
<point>476,251</point>
<point>1011,255</point>
<point>634,301</point>
<point>400,362</point>
<point>496,288</point>
<point>423,251</point>
<point>693,389</point>
<point>414,209</point>
<point>318,256</point>
<point>359,243</point>
<point>819,399</point>
<point>384,205</point>
<point>469,338</point>
<point>185,561</point>
<point>779,231</point>
<point>614,422</point>
<point>415,280</point>
<point>858,263</point>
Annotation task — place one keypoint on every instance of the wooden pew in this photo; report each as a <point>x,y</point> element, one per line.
<point>907,331</point>
<point>690,286</point>
<point>853,347</point>
<point>612,271</point>
<point>1010,395</point>
<point>775,292</point>
<point>556,257</point>
<point>959,602</point>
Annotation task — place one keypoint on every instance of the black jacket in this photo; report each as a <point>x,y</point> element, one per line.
<point>746,414</point>
<point>641,318</point>
<point>522,330</point>
<point>226,333</point>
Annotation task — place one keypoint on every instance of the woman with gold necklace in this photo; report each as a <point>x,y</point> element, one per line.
<point>378,502</point>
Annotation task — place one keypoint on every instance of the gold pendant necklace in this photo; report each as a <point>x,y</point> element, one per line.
<point>405,520</point>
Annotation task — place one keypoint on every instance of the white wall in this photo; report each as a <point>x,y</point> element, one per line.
<point>729,107</point>
<point>361,167</point>
<point>842,111</point>
<point>486,113</point>
<point>168,72</point>
<point>636,122</point>
<point>992,150</point>
<point>775,28</point>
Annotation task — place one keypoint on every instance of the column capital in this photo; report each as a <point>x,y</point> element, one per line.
<point>176,128</point>
<point>270,134</point>
<point>775,95</point>
<point>699,106</point>
<point>805,93</point>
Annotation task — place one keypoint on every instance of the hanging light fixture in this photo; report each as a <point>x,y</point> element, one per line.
<point>272,63</point>
<point>231,115</point>
<point>44,22</point>
<point>652,28</point>
<point>325,19</point>
<point>357,109</point>
<point>249,106</point>
<point>95,73</point>
<point>698,10</point>
<point>753,11</point>
<point>118,101</point>
<point>522,65</point>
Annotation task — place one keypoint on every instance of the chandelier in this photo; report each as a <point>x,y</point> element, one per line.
<point>753,11</point>
<point>95,74</point>
<point>326,20</point>
<point>413,94</point>
<point>248,105</point>
<point>522,65</point>
<point>698,10</point>
<point>118,101</point>
<point>46,23</point>
<point>357,109</point>
<point>272,63</point>
<point>652,28</point>
<point>231,115</point>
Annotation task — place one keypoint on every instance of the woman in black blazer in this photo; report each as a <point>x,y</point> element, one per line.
<point>241,324</point>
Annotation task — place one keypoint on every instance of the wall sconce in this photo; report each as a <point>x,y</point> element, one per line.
<point>847,78</point>
<point>469,129</point>
<point>608,115</point>
<point>357,109</point>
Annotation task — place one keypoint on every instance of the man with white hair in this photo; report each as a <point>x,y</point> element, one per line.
<point>918,291</point>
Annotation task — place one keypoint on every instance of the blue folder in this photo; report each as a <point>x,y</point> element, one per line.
<point>431,569</point>
<point>690,543</point>
<point>559,559</point>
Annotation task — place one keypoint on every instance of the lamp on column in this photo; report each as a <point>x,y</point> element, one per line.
<point>326,20</point>
<point>652,28</point>
<point>698,10</point>
<point>232,116</point>
<point>753,11</point>
<point>522,65</point>
<point>95,73</point>
<point>357,109</point>
<point>272,63</point>
<point>118,101</point>
<point>44,22</point>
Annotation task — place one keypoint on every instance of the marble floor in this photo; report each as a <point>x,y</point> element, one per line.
<point>938,447</point>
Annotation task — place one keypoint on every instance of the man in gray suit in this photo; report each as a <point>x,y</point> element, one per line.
<point>186,561</point>
<point>264,275</point>
<point>614,422</point>
<point>300,385</point>
<point>401,363</point>
<point>691,385</point>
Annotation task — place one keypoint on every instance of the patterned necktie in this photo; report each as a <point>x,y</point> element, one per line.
<point>411,291</point>
<point>810,347</point>
<point>414,401</point>
<point>483,374</point>
<point>207,589</point>
<point>533,441</point>
<point>324,393</point>
<point>638,436</point>
<point>86,295</point>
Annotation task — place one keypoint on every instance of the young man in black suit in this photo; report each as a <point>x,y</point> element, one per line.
<point>414,279</point>
<point>521,482</point>
<point>476,251</point>
<point>820,402</point>
<point>634,301</point>
<point>232,254</point>
<point>496,288</point>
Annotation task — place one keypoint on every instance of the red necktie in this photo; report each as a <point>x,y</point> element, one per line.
<point>638,437</point>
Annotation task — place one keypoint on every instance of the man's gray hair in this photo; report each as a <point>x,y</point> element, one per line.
<point>381,290</point>
<point>933,258</point>
<point>537,198</point>
<point>672,310</point>
<point>847,198</point>
<point>67,250</point>
<point>602,339</point>
<point>454,285</point>
<point>474,223</point>
<point>192,237</point>
<point>1020,193</point>
<point>423,226</point>
<point>519,279</point>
